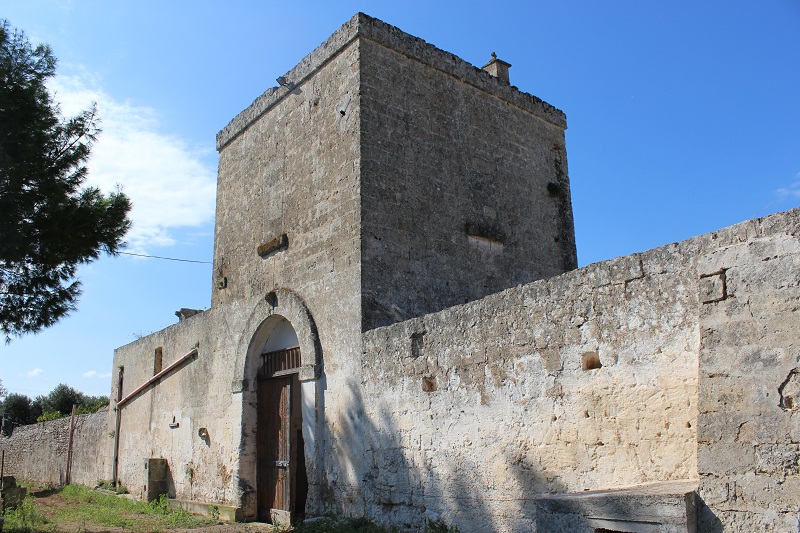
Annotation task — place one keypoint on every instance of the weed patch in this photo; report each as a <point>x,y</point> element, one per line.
<point>25,519</point>
<point>437,526</point>
<point>213,512</point>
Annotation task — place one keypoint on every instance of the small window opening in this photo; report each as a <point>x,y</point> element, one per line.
<point>555,190</point>
<point>590,361</point>
<point>428,384</point>
<point>417,344</point>
<point>158,362</point>
<point>120,381</point>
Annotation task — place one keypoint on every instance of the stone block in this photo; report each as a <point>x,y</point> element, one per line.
<point>726,458</point>
<point>780,459</point>
<point>226,513</point>
<point>12,497</point>
<point>667,507</point>
<point>158,477</point>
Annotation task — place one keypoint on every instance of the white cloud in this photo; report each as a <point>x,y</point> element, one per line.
<point>96,374</point>
<point>792,191</point>
<point>35,373</point>
<point>169,185</point>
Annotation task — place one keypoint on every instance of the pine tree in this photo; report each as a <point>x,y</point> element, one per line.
<point>49,223</point>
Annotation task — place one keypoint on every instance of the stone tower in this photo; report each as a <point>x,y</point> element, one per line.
<point>383,179</point>
<point>393,176</point>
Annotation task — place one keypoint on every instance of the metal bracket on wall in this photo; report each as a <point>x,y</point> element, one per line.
<point>158,376</point>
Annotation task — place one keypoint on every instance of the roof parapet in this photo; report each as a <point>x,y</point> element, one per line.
<point>361,25</point>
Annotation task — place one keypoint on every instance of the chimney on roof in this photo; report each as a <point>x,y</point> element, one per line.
<point>497,68</point>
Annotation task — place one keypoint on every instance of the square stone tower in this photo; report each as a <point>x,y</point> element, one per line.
<point>383,179</point>
<point>393,178</point>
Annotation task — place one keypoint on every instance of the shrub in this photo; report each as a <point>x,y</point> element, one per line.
<point>25,518</point>
<point>49,415</point>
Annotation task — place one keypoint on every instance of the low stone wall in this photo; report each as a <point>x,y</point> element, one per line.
<point>584,381</point>
<point>590,381</point>
<point>38,452</point>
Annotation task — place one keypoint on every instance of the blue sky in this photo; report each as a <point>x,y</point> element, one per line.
<point>684,117</point>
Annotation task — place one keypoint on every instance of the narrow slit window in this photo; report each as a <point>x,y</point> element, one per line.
<point>417,344</point>
<point>158,360</point>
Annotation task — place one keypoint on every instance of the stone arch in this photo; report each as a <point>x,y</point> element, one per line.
<point>285,304</point>
<point>276,308</point>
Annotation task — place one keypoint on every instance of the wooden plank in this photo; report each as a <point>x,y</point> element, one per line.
<point>274,446</point>
<point>299,481</point>
<point>280,362</point>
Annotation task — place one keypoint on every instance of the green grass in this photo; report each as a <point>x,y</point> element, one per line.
<point>25,519</point>
<point>80,507</point>
<point>88,506</point>
<point>110,510</point>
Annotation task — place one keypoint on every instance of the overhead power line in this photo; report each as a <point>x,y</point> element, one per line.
<point>166,258</point>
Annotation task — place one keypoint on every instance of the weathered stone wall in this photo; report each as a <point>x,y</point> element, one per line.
<point>296,170</point>
<point>588,380</point>
<point>749,433</point>
<point>38,452</point>
<point>187,398</point>
<point>473,411</point>
<point>479,408</point>
<point>464,181</point>
<point>274,179</point>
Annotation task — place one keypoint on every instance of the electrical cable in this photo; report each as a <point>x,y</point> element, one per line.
<point>166,258</point>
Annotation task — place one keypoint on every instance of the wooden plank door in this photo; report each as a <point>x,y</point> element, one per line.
<point>274,449</point>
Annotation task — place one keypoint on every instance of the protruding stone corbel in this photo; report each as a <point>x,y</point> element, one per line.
<point>278,243</point>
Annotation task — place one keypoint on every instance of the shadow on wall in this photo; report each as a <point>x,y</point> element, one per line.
<point>707,521</point>
<point>381,470</point>
<point>384,468</point>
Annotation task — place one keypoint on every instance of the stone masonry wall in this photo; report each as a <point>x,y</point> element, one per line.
<point>464,187</point>
<point>296,170</point>
<point>583,381</point>
<point>38,452</point>
<point>163,421</point>
<point>749,433</point>
<point>475,410</point>
<point>274,178</point>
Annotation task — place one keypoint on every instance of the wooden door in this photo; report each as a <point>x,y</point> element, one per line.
<point>280,458</point>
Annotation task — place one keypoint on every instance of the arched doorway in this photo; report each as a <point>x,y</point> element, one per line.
<point>282,483</point>
<point>278,322</point>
